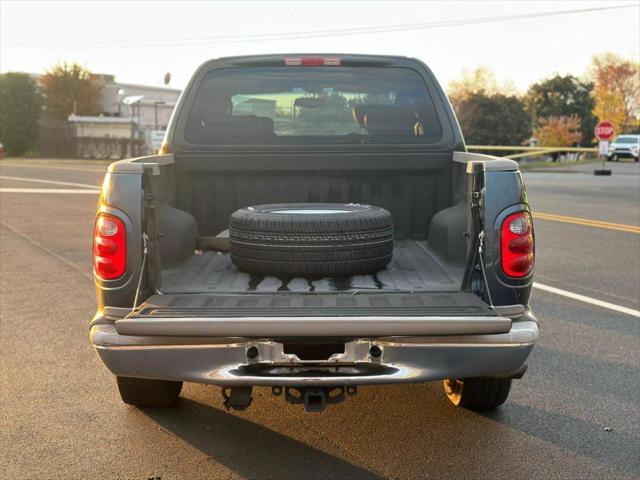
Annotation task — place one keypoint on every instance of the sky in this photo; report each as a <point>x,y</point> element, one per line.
<point>140,41</point>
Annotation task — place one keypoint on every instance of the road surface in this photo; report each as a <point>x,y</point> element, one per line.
<point>575,414</point>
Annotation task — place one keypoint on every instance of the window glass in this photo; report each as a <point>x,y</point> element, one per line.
<point>298,105</point>
<point>627,139</point>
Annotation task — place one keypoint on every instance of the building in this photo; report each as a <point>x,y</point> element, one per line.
<point>152,107</point>
<point>104,137</point>
<point>131,113</point>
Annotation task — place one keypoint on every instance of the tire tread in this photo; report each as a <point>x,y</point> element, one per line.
<point>144,392</point>
<point>266,243</point>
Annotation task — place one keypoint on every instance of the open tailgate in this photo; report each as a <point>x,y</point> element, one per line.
<point>308,315</point>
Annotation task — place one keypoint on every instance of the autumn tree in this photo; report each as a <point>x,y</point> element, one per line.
<point>563,97</point>
<point>493,119</point>
<point>20,106</point>
<point>563,131</point>
<point>69,88</point>
<point>481,80</point>
<point>616,90</point>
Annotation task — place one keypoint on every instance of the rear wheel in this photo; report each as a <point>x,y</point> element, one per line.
<point>477,392</point>
<point>142,392</point>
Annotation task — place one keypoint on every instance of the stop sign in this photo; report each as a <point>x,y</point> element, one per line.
<point>604,130</point>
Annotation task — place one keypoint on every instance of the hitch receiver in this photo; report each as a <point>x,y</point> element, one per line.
<point>238,398</point>
<point>315,399</point>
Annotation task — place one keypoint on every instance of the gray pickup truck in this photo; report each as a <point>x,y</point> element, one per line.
<point>313,223</point>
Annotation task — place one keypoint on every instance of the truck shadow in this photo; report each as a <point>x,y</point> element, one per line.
<point>594,378</point>
<point>613,448</point>
<point>247,448</point>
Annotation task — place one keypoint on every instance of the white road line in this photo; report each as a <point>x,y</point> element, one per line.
<point>52,182</point>
<point>583,298</point>
<point>49,190</point>
<point>54,167</point>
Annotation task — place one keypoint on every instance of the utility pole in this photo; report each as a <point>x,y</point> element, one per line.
<point>155,111</point>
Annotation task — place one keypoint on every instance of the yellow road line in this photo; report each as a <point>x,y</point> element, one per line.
<point>621,227</point>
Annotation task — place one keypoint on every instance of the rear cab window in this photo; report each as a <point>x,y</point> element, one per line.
<point>312,105</point>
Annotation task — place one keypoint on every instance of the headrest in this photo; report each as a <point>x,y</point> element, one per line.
<point>201,117</point>
<point>390,120</point>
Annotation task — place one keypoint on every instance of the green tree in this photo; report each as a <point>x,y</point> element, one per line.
<point>69,88</point>
<point>563,96</point>
<point>20,106</point>
<point>493,120</point>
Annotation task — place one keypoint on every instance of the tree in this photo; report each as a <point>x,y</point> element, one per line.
<point>563,96</point>
<point>493,120</point>
<point>480,80</point>
<point>558,131</point>
<point>20,106</point>
<point>69,88</point>
<point>616,90</point>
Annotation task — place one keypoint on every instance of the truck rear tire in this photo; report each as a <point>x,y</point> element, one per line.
<point>477,392</point>
<point>143,392</point>
<point>311,239</point>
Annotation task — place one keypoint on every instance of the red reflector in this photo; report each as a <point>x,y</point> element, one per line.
<point>109,247</point>
<point>312,61</point>
<point>517,246</point>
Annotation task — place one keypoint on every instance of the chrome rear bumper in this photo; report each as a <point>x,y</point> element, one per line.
<point>402,359</point>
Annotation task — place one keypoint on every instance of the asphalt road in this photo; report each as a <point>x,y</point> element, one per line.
<point>575,414</point>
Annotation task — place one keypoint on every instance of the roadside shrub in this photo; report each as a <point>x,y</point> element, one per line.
<point>558,131</point>
<point>20,107</point>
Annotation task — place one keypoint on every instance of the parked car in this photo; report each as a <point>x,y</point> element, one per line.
<point>624,146</point>
<point>313,223</point>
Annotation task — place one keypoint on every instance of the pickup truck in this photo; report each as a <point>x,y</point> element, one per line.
<point>313,223</point>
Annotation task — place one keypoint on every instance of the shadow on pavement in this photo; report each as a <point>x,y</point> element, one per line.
<point>579,436</point>
<point>595,378</point>
<point>247,448</point>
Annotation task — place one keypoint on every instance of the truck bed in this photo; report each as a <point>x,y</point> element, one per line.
<point>414,268</point>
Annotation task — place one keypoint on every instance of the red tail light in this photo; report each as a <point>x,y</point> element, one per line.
<point>109,247</point>
<point>312,61</point>
<point>517,248</point>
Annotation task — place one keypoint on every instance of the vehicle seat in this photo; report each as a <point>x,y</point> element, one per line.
<point>391,120</point>
<point>204,125</point>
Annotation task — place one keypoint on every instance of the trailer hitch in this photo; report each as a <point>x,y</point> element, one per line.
<point>315,399</point>
<point>238,398</point>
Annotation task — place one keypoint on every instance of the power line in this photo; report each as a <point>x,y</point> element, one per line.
<point>248,38</point>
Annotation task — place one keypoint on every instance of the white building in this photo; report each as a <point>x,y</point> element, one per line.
<point>151,112</point>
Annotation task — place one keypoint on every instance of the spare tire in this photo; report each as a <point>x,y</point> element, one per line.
<point>311,239</point>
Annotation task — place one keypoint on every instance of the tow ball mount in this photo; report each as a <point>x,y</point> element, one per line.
<point>238,398</point>
<point>315,399</point>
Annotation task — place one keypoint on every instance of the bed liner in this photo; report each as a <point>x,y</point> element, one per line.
<point>414,268</point>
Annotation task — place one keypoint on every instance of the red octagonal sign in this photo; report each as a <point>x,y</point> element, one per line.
<point>604,130</point>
